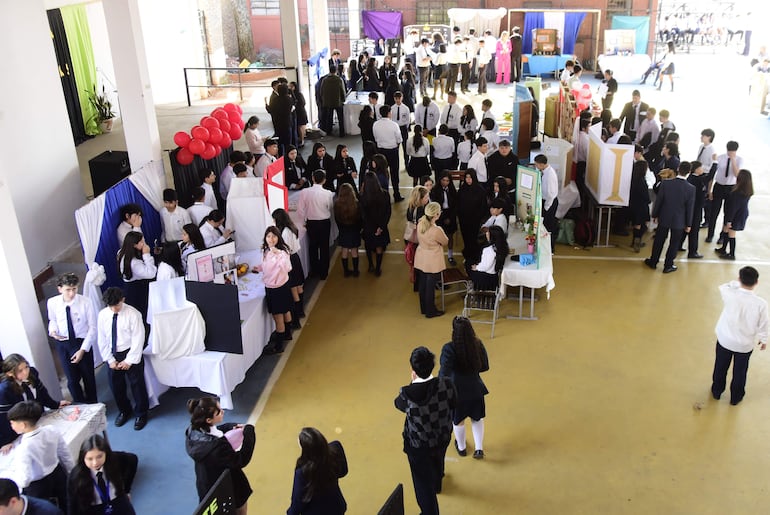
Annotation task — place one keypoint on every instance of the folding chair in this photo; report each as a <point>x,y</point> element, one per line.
<point>455,281</point>
<point>483,300</point>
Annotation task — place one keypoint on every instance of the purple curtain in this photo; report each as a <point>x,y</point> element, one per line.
<point>381,24</point>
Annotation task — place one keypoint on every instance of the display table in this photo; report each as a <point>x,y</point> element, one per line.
<point>75,423</point>
<point>529,276</point>
<point>625,68</point>
<point>542,64</point>
<point>354,104</point>
<point>218,373</point>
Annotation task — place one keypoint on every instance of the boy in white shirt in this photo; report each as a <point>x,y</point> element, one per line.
<point>443,151</point>
<point>172,217</point>
<point>486,110</point>
<point>478,161</point>
<point>199,210</point>
<point>208,178</point>
<point>490,134</point>
<point>566,73</point>
<point>41,459</point>
<point>465,149</point>
<point>550,187</point>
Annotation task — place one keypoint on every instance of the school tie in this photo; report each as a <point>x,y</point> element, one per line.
<point>70,325</point>
<point>700,153</point>
<point>102,486</point>
<point>27,392</point>
<point>114,334</point>
<point>425,119</point>
<point>727,168</point>
<point>398,113</point>
<point>448,114</point>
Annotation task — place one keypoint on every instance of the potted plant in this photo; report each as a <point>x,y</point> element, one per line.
<point>104,114</point>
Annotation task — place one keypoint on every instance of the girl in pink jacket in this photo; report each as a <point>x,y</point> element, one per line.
<point>275,267</point>
<point>503,59</point>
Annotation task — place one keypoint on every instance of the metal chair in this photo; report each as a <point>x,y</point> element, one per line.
<point>485,301</point>
<point>451,278</point>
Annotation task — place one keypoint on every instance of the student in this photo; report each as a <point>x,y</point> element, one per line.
<point>615,133</point>
<point>445,194</point>
<point>268,158</point>
<point>700,181</point>
<point>253,138</point>
<point>314,209</point>
<point>721,182</point>
<point>468,121</point>
<point>418,149</point>
<point>443,157</point>
<point>13,503</point>
<point>137,267</point>
<point>504,163</point>
<point>429,258</point>
<point>574,81</point>
<point>648,132</point>
<point>251,161</point>
<point>489,133</point>
<point>211,229</point>
<point>199,209</point>
<point>483,57</point>
<point>478,161</point>
<point>121,340</point>
<point>427,115</point>
<point>471,212</point>
<point>388,137</point>
<point>566,73</point>
<point>708,157</point>
<point>484,274</point>
<point>41,459</point>
<point>608,89</point>
<point>639,204</point>
<point>208,178</point>
<point>319,159</point>
<point>550,189</point>
<point>172,217</point>
<point>736,213</point>
<point>440,71</point>
<point>296,169</point>
<point>20,382</point>
<point>275,268</point>
<point>192,241</point>
<point>206,442</point>
<point>226,177</point>
<point>241,171</point>
<point>290,235</point>
<point>131,220</point>
<point>402,115</point>
<point>451,115</point>
<point>316,486</point>
<point>486,110</point>
<point>496,217</point>
<point>344,170</point>
<point>465,149</point>
<point>347,214</point>
<point>375,211</point>
<point>100,483</point>
<point>72,323</point>
<point>170,263</point>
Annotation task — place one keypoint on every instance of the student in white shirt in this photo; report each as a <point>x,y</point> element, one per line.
<point>170,264</point>
<point>451,114</point>
<point>427,115</point>
<point>465,150</point>
<point>418,148</point>
<point>131,220</point>
<point>649,131</point>
<point>387,135</point>
<point>443,151</point>
<point>137,267</point>
<point>192,241</point>
<point>566,73</point>
<point>121,340</point>
<point>172,217</point>
<point>208,178</point>
<point>489,133</point>
<point>374,103</point>
<point>211,229</point>
<point>253,137</point>
<point>315,208</point>
<point>271,151</point>
<point>199,210</point>
<point>478,161</point>
<point>484,273</point>
<point>402,115</point>
<point>496,217</point>
<point>550,188</point>
<point>227,174</point>
<point>486,112</point>
<point>41,459</point>
<point>482,60</point>
<point>615,133</point>
<point>75,350</point>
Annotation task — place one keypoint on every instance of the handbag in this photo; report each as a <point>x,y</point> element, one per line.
<point>410,232</point>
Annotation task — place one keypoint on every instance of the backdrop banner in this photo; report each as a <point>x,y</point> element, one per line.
<point>381,24</point>
<point>641,24</point>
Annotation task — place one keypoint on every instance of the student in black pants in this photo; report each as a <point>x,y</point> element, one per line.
<point>315,210</point>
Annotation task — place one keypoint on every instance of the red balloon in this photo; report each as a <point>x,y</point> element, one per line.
<point>224,125</point>
<point>196,146</point>
<point>209,152</point>
<point>233,116</point>
<point>217,150</point>
<point>235,132</point>
<point>184,157</point>
<point>209,122</point>
<point>226,141</point>
<point>182,139</point>
<point>215,135</point>
<point>219,114</point>
<point>231,108</point>
<point>200,133</point>
<point>241,124</point>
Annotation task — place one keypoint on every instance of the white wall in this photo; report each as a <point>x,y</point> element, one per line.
<point>100,41</point>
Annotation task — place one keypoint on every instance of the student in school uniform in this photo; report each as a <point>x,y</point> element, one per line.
<point>443,151</point>
<point>192,241</point>
<point>402,115</point>
<point>489,133</point>
<point>290,235</point>
<point>41,459</point>
<point>199,210</point>
<point>465,150</point>
<point>314,209</point>
<point>427,115</point>
<point>172,217</point>
<point>486,112</point>
<point>137,267</point>
<point>496,217</point>
<point>208,178</point>
<point>550,187</point>
<point>296,169</point>
<point>417,148</point>
<point>72,323</point>
<point>268,158</point>
<point>121,340</point>
<point>131,220</point>
<point>226,177</point>
<point>451,115</point>
<point>275,268</point>
<point>211,229</point>
<point>478,161</point>
<point>445,194</point>
<point>12,501</point>
<point>170,263</point>
<point>100,483</point>
<point>20,382</point>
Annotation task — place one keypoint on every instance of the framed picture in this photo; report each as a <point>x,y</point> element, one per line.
<point>204,266</point>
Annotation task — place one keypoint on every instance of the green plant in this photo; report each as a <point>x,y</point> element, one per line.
<point>101,104</point>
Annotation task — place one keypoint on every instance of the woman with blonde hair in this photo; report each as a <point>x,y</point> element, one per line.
<point>429,258</point>
<point>503,59</point>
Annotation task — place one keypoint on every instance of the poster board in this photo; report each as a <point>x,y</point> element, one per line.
<point>215,264</point>
<point>619,42</point>
<point>529,201</point>
<point>427,30</point>
<point>608,169</point>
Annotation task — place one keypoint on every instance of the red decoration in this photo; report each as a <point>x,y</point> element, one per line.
<point>226,141</point>
<point>234,116</point>
<point>231,108</point>
<point>200,133</point>
<point>215,135</point>
<point>217,150</point>
<point>209,122</point>
<point>182,139</point>
<point>184,157</point>
<point>210,152</point>
<point>196,146</point>
<point>240,109</point>
<point>219,114</point>
<point>224,125</point>
<point>235,132</point>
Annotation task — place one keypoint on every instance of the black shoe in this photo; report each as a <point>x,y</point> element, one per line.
<point>704,225</point>
<point>272,349</point>
<point>140,422</point>
<point>478,454</point>
<point>356,273</point>
<point>397,198</point>
<point>295,324</point>
<point>464,452</point>
<point>377,273</point>
<point>721,251</point>
<point>694,255</point>
<point>735,402</point>
<point>650,264</point>
<point>716,395</point>
<point>438,313</point>
<point>729,257</point>
<point>121,419</point>
<point>347,273</point>
<point>669,269</point>
<point>709,239</point>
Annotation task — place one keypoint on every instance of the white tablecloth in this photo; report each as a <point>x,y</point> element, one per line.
<point>529,276</point>
<point>75,423</point>
<point>352,108</point>
<point>625,68</point>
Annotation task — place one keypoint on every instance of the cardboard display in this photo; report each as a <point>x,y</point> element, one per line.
<point>608,169</point>
<point>529,199</point>
<point>276,192</point>
<point>218,303</point>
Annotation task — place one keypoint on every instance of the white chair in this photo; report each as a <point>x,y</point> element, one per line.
<point>453,282</point>
<point>483,301</point>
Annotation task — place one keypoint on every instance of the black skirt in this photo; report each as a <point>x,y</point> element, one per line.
<point>279,300</point>
<point>297,274</point>
<point>474,408</point>
<point>350,236</point>
<point>418,166</point>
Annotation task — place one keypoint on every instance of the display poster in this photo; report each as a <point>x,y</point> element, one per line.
<point>608,169</point>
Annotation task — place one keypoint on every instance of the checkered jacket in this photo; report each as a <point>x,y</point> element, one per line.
<point>428,424</point>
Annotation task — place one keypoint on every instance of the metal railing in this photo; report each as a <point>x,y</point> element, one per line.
<point>239,73</point>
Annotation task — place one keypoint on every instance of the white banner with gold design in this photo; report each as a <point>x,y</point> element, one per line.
<point>608,170</point>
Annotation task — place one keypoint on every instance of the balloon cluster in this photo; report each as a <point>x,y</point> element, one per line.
<point>214,133</point>
<point>582,96</point>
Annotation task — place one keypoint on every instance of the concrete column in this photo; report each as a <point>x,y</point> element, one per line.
<point>133,80</point>
<point>318,20</point>
<point>354,19</point>
<point>292,51</point>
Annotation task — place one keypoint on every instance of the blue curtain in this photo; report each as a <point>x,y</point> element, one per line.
<point>572,22</point>
<point>122,193</point>
<point>641,24</point>
<point>532,21</point>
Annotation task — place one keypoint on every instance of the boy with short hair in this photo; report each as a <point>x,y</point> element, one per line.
<point>268,158</point>
<point>199,210</point>
<point>208,178</point>
<point>566,73</point>
<point>13,503</point>
<point>41,459</point>
<point>72,323</point>
<point>549,185</point>
<point>130,220</point>
<point>486,109</point>
<point>172,217</point>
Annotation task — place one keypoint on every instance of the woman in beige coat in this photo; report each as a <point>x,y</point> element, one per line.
<point>429,258</point>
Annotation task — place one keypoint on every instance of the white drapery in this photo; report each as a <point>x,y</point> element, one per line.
<point>555,20</point>
<point>479,19</point>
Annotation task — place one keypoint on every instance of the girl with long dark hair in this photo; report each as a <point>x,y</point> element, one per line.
<point>208,443</point>
<point>137,267</point>
<point>316,476</point>
<point>192,241</point>
<point>366,124</point>
<point>462,360</point>
<point>296,169</point>
<point>408,88</point>
<point>471,213</point>
<point>170,264</point>
<point>275,268</point>
<point>344,170</point>
<point>301,110</point>
<point>375,211</point>
<point>347,214</point>
<point>493,255</point>
<point>290,235</point>
<point>736,213</point>
<point>254,139</point>
<point>445,194</point>
<point>319,159</point>
<point>418,149</point>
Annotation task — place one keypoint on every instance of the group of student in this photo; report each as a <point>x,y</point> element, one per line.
<point>42,469</point>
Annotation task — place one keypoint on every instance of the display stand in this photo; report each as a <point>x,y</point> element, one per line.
<point>529,205</point>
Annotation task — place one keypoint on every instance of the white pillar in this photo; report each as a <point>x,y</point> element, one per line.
<point>354,19</point>
<point>140,124</point>
<point>318,19</point>
<point>292,51</point>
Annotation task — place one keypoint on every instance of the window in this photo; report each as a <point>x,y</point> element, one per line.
<point>338,16</point>
<point>434,12</point>
<point>265,8</point>
<point>618,7</point>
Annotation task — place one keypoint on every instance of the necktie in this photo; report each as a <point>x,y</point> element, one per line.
<point>448,111</point>
<point>700,153</point>
<point>70,325</point>
<point>114,334</point>
<point>727,168</point>
<point>636,117</point>
<point>104,493</point>
<point>398,113</point>
<point>219,231</point>
<point>27,392</point>
<point>425,119</point>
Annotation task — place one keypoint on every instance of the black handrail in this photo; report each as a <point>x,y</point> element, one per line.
<point>238,71</point>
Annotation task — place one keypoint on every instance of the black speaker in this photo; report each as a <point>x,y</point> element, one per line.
<point>108,169</point>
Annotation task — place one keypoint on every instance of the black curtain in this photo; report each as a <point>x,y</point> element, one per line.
<point>59,37</point>
<point>186,178</point>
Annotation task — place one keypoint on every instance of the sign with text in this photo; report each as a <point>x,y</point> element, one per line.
<point>608,169</point>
